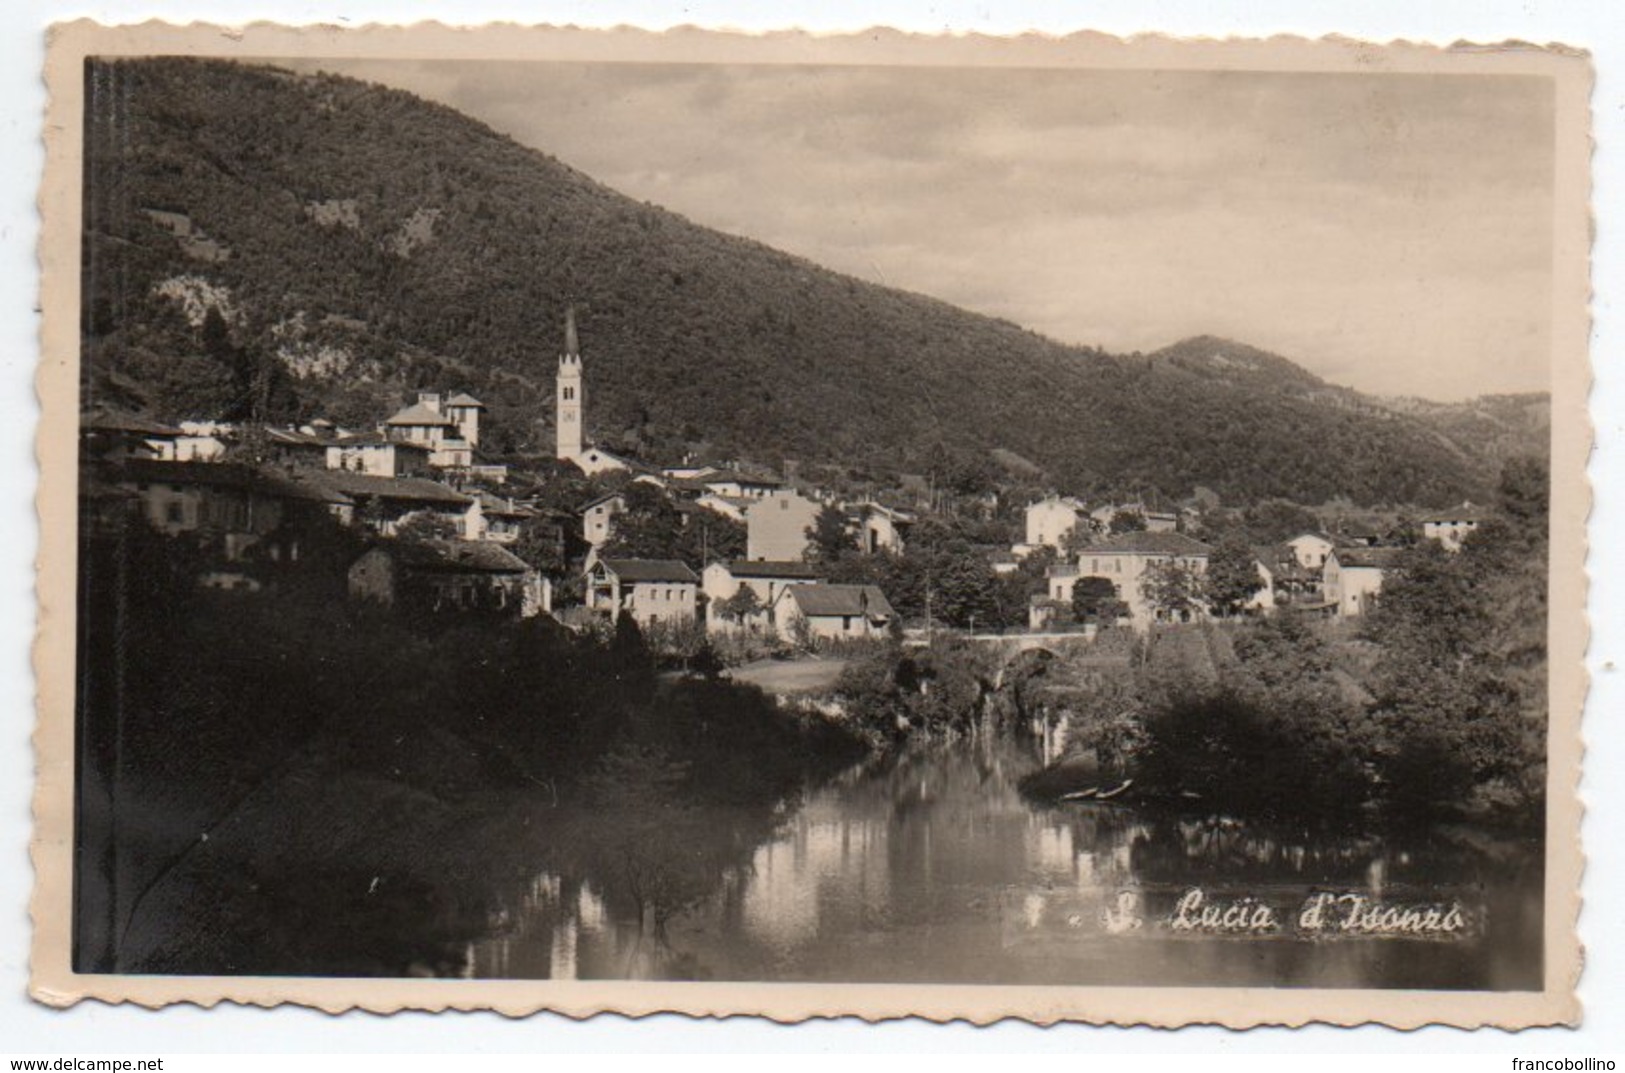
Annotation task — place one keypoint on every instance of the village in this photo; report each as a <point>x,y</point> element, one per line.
<point>443,531</point>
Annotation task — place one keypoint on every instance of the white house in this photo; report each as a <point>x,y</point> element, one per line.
<point>598,518</point>
<point>776,526</point>
<point>376,454</point>
<point>721,582</point>
<point>1311,549</point>
<point>727,506</point>
<point>742,483</point>
<point>1353,578</point>
<point>881,528</point>
<point>1128,559</point>
<point>832,612</point>
<point>426,423</point>
<point>652,591</point>
<point>201,441</point>
<point>1451,527</point>
<point>1049,522</point>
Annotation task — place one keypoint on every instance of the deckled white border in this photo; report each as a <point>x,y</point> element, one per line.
<point>464,10</point>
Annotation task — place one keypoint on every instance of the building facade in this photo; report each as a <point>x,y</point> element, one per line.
<point>832,613</point>
<point>776,526</point>
<point>1352,578</point>
<point>651,591</point>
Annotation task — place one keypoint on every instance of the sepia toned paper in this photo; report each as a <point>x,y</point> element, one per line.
<point>1054,952</point>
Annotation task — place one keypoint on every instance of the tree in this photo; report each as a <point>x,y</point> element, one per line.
<point>708,537</point>
<point>1232,575</point>
<point>1127,521</point>
<point>1275,520</point>
<point>964,588</point>
<point>1174,590</point>
<point>742,606</point>
<point>426,525</point>
<point>1095,599</point>
<point>1082,534</point>
<point>542,544</point>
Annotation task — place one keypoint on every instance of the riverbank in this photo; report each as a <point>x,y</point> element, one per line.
<point>297,784</point>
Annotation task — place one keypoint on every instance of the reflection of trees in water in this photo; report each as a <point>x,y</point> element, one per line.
<point>636,853</point>
<point>922,842</point>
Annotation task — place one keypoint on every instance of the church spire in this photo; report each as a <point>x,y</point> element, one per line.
<point>569,401</point>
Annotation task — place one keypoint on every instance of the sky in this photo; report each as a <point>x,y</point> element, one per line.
<point>1388,232</point>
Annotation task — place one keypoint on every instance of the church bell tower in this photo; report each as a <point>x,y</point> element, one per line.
<point>568,405</point>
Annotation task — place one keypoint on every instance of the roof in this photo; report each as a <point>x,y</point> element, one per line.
<point>770,568</point>
<point>455,556</point>
<point>1281,561</point>
<point>1309,533</point>
<point>1464,513</point>
<point>600,501</point>
<point>364,439</point>
<point>119,421</point>
<point>1002,555</point>
<point>1361,527</point>
<point>419,414</point>
<point>1150,544</point>
<point>870,506</point>
<point>503,508</point>
<point>827,600</point>
<point>223,475</point>
<point>1377,558</point>
<point>760,477</point>
<point>291,437</point>
<point>367,486</point>
<point>480,555</point>
<point>650,570</point>
<point>463,398</point>
<point>1057,501</point>
<point>741,502</point>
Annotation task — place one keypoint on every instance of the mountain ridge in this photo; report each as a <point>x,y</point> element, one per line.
<point>375,244</point>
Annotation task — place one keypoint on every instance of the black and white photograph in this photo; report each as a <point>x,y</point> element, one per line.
<point>830,521</point>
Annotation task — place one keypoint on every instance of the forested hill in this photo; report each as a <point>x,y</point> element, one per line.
<point>374,243</point>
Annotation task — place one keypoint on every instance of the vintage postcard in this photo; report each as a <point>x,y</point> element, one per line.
<point>1049,528</point>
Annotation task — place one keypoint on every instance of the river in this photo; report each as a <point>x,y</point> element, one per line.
<point>929,866</point>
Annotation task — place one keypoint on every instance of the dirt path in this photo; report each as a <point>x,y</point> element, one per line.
<point>782,676</point>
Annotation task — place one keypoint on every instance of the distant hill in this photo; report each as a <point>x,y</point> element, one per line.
<point>374,243</point>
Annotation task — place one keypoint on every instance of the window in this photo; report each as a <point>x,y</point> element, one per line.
<point>175,512</point>
<point>784,504</point>
<point>846,623</point>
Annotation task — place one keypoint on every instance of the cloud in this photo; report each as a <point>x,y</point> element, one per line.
<point>1388,231</point>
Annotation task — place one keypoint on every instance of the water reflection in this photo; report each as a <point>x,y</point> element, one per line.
<point>930,867</point>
